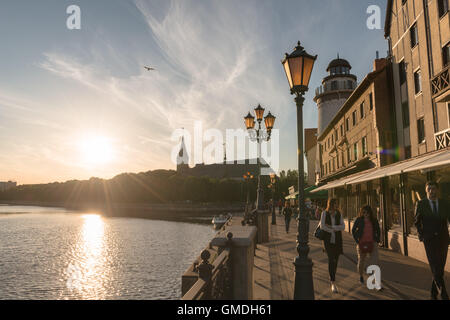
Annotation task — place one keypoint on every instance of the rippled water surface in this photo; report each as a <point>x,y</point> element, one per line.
<point>48,253</point>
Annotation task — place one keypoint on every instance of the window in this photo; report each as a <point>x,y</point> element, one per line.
<point>421,130</point>
<point>349,158</point>
<point>402,72</point>
<point>334,164</point>
<point>443,7</point>
<point>407,152</point>
<point>414,36</point>
<point>361,109</point>
<point>346,124</point>
<point>349,84</point>
<point>342,130</point>
<point>446,55</point>
<point>334,85</point>
<point>355,151</point>
<point>337,161</point>
<point>405,18</point>
<point>342,157</point>
<point>371,101</point>
<point>336,135</point>
<point>417,82</point>
<point>364,146</point>
<point>405,114</point>
<point>354,118</point>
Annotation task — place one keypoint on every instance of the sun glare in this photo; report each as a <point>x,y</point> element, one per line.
<point>96,150</point>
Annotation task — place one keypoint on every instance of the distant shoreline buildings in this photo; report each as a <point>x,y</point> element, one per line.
<point>380,141</point>
<point>234,170</point>
<point>7,185</point>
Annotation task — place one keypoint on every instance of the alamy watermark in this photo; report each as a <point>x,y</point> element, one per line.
<point>211,146</point>
<point>73,22</point>
<point>374,20</point>
<point>374,281</point>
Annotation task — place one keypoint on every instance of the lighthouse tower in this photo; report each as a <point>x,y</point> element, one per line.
<point>336,87</point>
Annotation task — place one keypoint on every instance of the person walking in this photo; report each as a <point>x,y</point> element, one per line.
<point>318,212</point>
<point>366,232</point>
<point>332,224</point>
<point>432,216</point>
<point>280,206</point>
<point>287,212</point>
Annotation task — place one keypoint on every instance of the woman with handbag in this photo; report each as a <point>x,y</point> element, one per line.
<point>366,232</point>
<point>332,225</point>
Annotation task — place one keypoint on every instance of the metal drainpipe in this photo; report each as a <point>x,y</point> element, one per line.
<point>430,57</point>
<point>428,39</point>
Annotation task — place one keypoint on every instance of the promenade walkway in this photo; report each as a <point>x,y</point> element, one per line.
<point>403,278</point>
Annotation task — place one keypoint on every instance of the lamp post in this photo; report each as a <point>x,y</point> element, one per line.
<point>273,180</point>
<point>247,177</point>
<point>259,135</point>
<point>298,67</point>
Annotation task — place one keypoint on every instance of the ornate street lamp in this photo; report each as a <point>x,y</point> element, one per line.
<point>298,67</point>
<point>258,135</point>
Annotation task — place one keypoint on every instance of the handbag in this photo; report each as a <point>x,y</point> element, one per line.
<point>366,246</point>
<point>319,233</point>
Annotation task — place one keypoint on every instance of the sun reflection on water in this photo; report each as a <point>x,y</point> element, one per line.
<point>87,273</point>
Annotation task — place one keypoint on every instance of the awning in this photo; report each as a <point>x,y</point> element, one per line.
<point>435,162</point>
<point>340,182</point>
<point>392,169</point>
<point>429,161</point>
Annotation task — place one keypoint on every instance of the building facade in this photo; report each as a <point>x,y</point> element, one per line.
<point>360,129</point>
<point>226,170</point>
<point>419,34</point>
<point>7,185</point>
<point>310,153</point>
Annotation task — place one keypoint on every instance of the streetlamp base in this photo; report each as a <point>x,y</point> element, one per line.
<point>304,287</point>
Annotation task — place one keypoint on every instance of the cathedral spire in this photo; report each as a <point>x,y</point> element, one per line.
<point>183,157</point>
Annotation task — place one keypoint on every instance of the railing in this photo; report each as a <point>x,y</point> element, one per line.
<point>336,86</point>
<point>214,280</point>
<point>442,139</point>
<point>440,82</point>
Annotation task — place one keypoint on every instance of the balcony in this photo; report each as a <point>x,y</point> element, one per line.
<point>442,139</point>
<point>440,85</point>
<point>335,86</point>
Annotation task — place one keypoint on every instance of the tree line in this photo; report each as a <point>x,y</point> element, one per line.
<point>158,186</point>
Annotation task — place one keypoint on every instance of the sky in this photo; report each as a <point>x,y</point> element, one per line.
<point>78,103</point>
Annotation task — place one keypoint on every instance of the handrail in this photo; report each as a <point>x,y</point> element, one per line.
<point>442,139</point>
<point>209,274</point>
<point>440,82</point>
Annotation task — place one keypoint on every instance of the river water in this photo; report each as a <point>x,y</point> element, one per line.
<point>51,253</point>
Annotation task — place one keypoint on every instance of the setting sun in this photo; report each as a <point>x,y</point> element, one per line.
<point>96,150</point>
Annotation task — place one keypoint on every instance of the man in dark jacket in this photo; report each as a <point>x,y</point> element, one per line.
<point>431,218</point>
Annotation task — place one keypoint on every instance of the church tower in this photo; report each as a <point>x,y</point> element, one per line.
<point>182,158</point>
<point>336,87</point>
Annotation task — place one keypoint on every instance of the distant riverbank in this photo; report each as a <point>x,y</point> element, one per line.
<point>187,212</point>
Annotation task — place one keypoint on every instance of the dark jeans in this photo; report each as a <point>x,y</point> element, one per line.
<point>436,249</point>
<point>287,221</point>
<point>333,258</point>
